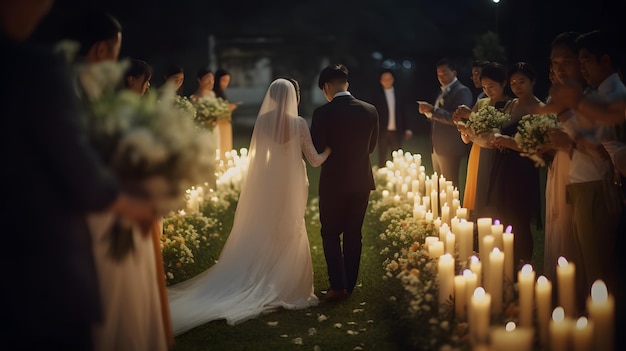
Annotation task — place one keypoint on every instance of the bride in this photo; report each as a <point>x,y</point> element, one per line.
<point>265,263</point>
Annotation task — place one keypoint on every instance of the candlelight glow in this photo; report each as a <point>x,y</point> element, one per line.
<point>496,222</point>
<point>542,281</point>
<point>510,326</point>
<point>558,315</point>
<point>467,273</point>
<point>509,229</point>
<point>527,270</point>
<point>581,323</point>
<point>479,293</point>
<point>599,292</point>
<point>562,262</point>
<point>474,259</point>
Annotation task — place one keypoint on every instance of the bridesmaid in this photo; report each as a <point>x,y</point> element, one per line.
<point>493,80</point>
<point>224,125</point>
<point>514,191</point>
<point>175,75</point>
<point>206,82</point>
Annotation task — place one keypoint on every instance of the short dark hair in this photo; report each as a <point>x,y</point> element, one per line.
<point>567,39</point>
<point>171,70</point>
<point>524,68</point>
<point>138,68</point>
<point>445,62</point>
<point>333,73</point>
<point>387,70</point>
<point>203,72</point>
<point>599,43</point>
<point>494,71</point>
<point>90,28</point>
<point>479,63</point>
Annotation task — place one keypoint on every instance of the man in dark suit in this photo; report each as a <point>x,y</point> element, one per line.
<point>393,126</point>
<point>52,179</point>
<point>448,150</point>
<point>349,127</point>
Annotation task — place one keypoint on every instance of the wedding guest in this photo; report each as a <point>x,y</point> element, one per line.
<point>206,82</point>
<point>137,76</point>
<point>135,311</point>
<point>175,75</point>
<point>391,107</point>
<point>514,176</point>
<point>52,301</point>
<point>224,124</point>
<point>477,67</point>
<point>493,79</point>
<point>447,150</point>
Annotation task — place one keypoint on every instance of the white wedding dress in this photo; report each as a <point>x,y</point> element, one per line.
<point>266,262</point>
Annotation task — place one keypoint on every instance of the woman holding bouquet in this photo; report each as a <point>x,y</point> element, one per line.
<point>266,261</point>
<point>514,190</point>
<point>224,123</point>
<point>493,80</point>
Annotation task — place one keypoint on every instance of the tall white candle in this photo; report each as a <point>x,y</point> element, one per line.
<point>450,243</point>
<point>461,212</point>
<point>426,202</point>
<point>497,231</point>
<point>428,187</point>
<point>476,267</point>
<point>560,328</point>
<point>471,281</point>
<point>429,240</point>
<point>434,203</point>
<point>435,249</point>
<point>442,183</point>
<point>437,223</point>
<point>565,275</point>
<point>419,212</point>
<point>417,199</point>
<point>444,230</point>
<point>456,204</point>
<point>449,192</point>
<point>415,186</point>
<point>446,278</point>
<point>496,275</point>
<point>429,216</point>
<point>511,338</point>
<point>485,258</point>
<point>459,296</point>
<point>484,228</point>
<point>507,243</point>
<point>601,308</point>
<point>526,282</point>
<point>481,306</point>
<point>422,181</point>
<point>543,295</point>
<point>455,194</point>
<point>443,199</point>
<point>464,233</point>
<point>582,336</point>
<point>454,225</point>
<point>445,213</point>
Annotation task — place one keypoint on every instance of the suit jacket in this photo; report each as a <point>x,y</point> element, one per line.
<point>445,137</point>
<point>350,127</point>
<point>380,102</point>
<point>52,178</point>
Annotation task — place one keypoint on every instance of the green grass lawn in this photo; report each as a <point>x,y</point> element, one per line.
<point>363,322</point>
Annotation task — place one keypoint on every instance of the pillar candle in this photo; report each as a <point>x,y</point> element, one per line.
<point>601,308</point>
<point>559,330</point>
<point>461,212</point>
<point>507,243</point>
<point>428,186</point>
<point>582,336</point>
<point>456,203</point>
<point>385,194</point>
<point>470,285</point>
<point>476,267</point>
<point>485,258</point>
<point>429,216</point>
<point>565,273</point>
<point>446,277</point>
<point>435,182</point>
<point>543,295</point>
<point>464,233</point>
<point>511,338</point>
<point>419,212</point>
<point>526,282</point>
<point>484,228</point>
<point>450,244</point>
<point>443,199</point>
<point>459,296</point>
<point>437,223</point>
<point>396,198</point>
<point>497,231</point>
<point>434,203</point>
<point>449,192</point>
<point>426,202</point>
<point>415,186</point>
<point>442,183</point>
<point>481,305</point>
<point>410,196</point>
<point>417,199</point>
<point>496,275</point>
<point>404,188</point>
<point>445,213</point>
<point>454,225</point>
<point>422,181</point>
<point>435,249</point>
<point>444,229</point>
<point>429,240</point>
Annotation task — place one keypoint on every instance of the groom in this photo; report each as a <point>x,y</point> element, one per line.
<point>349,127</point>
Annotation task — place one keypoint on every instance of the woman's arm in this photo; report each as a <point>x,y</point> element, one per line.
<point>306,144</point>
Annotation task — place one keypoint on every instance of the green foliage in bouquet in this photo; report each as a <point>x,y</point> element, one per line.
<point>209,109</point>
<point>533,131</point>
<point>486,120</point>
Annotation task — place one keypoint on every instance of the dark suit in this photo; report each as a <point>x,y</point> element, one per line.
<point>447,147</point>
<point>389,140</point>
<point>350,128</point>
<point>51,180</point>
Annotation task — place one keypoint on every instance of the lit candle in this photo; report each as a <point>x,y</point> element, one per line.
<point>496,231</point>
<point>422,180</point>
<point>419,212</point>
<point>442,183</point>
<point>559,330</point>
<point>455,194</point>
<point>484,228</point>
<point>456,203</point>
<point>481,305</point>
<point>446,278</point>
<point>449,191</point>
<point>435,249</point>
<point>526,282</point>
<point>443,198</point>
<point>445,213</point>
<point>396,198</point>
<point>415,186</point>
<point>429,216</point>
<point>434,204</point>
<point>459,296</point>
<point>437,223</point>
<point>601,308</point>
<point>461,212</point>
<point>417,199</point>
<point>426,202</point>
<point>470,285</point>
<point>485,258</point>
<point>450,239</point>
<point>444,230</point>
<point>543,295</point>
<point>507,243</point>
<point>428,186</point>
<point>465,232</point>
<point>511,338</point>
<point>429,240</point>
<point>385,194</point>
<point>454,225</point>
<point>565,273</point>
<point>435,182</point>
<point>582,337</point>
<point>476,267</point>
<point>496,275</point>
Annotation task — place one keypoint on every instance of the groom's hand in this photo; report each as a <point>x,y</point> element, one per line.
<point>136,210</point>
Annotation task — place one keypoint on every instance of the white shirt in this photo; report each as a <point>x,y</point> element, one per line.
<point>391,104</point>
<point>611,88</point>
<point>445,89</point>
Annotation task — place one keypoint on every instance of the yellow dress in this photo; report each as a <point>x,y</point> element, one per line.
<point>469,196</point>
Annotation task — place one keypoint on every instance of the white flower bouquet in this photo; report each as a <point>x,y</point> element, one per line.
<point>209,109</point>
<point>186,107</point>
<point>533,132</point>
<point>484,123</point>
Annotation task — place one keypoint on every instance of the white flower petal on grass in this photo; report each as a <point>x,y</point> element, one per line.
<point>338,325</point>
<point>321,317</point>
<point>357,310</point>
<point>284,336</point>
<point>358,348</point>
<point>370,321</point>
<point>351,323</point>
<point>352,332</point>
<point>312,331</point>
<point>362,303</point>
<point>297,341</point>
<point>272,324</point>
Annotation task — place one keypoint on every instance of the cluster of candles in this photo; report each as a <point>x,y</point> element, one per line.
<point>478,292</point>
<point>231,170</point>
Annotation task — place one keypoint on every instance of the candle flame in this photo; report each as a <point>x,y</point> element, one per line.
<point>479,293</point>
<point>542,281</point>
<point>562,261</point>
<point>496,222</point>
<point>527,269</point>
<point>599,292</point>
<point>509,229</point>
<point>467,273</point>
<point>581,323</point>
<point>558,315</point>
<point>496,251</point>
<point>510,326</point>
<point>474,259</point>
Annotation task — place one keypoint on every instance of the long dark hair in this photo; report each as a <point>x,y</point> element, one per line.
<point>170,71</point>
<point>217,88</point>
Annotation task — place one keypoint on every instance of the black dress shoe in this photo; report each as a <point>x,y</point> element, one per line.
<point>335,295</point>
